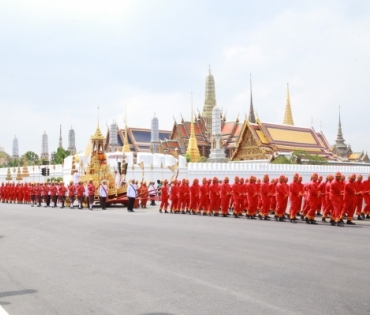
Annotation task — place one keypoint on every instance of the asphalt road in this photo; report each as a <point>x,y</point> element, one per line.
<point>62,261</point>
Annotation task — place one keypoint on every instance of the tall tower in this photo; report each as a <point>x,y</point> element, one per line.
<point>210,101</point>
<point>340,148</point>
<point>60,138</point>
<point>193,150</point>
<point>154,135</point>
<point>251,117</point>
<point>113,131</point>
<point>217,147</point>
<point>71,141</point>
<point>288,117</point>
<point>15,151</point>
<point>45,147</point>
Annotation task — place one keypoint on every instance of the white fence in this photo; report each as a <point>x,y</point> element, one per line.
<point>156,166</point>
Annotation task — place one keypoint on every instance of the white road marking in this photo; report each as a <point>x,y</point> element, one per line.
<point>3,312</point>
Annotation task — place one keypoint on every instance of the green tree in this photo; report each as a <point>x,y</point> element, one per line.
<point>282,160</point>
<point>32,158</point>
<point>300,157</point>
<point>59,156</point>
<point>202,159</point>
<point>187,157</point>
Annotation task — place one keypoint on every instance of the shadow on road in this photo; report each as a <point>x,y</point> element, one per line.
<point>12,293</point>
<point>158,314</point>
<point>2,236</point>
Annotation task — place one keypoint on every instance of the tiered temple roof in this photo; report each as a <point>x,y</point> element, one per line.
<point>262,140</point>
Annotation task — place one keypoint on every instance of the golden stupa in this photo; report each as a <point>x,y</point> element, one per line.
<point>98,169</point>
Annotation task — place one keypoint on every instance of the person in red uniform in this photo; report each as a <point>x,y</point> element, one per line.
<point>226,193</point>
<point>265,197</point>
<point>44,193</point>
<point>272,194</point>
<point>214,193</point>
<point>342,184</point>
<point>359,188</point>
<point>244,184</point>
<point>306,204</point>
<point>259,202</point>
<point>366,195</point>
<point>186,199</point>
<point>91,192</point>
<point>194,196</point>
<point>181,196</point>
<point>38,194</point>
<point>61,191</point>
<point>80,190</point>
<point>204,197</point>
<point>237,189</point>
<point>164,197</point>
<point>313,199</point>
<point>321,205</point>
<point>336,199</point>
<point>282,194</point>
<point>71,193</point>
<point>53,195</point>
<point>294,198</point>
<point>328,206</point>
<point>349,198</point>
<point>174,197</point>
<point>252,194</point>
<point>31,191</point>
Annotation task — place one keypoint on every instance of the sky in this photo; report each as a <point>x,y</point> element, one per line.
<point>61,60</point>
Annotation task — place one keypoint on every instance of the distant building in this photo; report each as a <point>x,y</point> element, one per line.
<point>15,150</point>
<point>139,139</point>
<point>2,149</point>
<point>60,138</point>
<point>154,135</point>
<point>344,151</point>
<point>45,147</point>
<point>71,141</point>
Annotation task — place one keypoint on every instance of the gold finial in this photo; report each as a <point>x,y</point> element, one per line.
<point>126,146</point>
<point>192,150</point>
<point>288,117</point>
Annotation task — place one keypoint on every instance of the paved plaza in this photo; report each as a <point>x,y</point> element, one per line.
<point>62,261</point>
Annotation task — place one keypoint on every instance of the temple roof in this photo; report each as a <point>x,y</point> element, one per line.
<point>138,138</point>
<point>286,138</point>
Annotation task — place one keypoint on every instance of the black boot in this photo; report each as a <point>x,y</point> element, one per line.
<point>313,222</point>
<point>340,224</point>
<point>359,217</point>
<point>349,222</point>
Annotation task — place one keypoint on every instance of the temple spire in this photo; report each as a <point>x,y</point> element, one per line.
<point>251,118</point>
<point>60,137</point>
<point>340,140</point>
<point>288,117</point>
<point>210,101</point>
<point>193,150</point>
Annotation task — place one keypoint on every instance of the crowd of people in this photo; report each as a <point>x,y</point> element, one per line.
<point>334,198</point>
<point>53,193</point>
